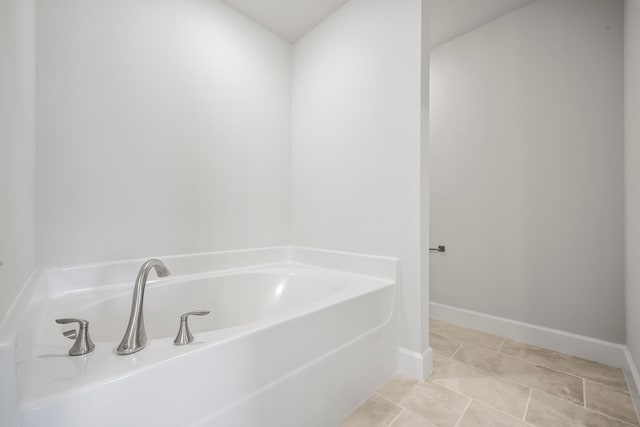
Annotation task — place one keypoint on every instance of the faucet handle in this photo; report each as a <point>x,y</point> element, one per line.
<point>83,343</point>
<point>195,313</point>
<point>184,336</point>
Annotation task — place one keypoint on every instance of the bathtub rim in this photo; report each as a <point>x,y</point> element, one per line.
<point>163,350</point>
<point>36,289</point>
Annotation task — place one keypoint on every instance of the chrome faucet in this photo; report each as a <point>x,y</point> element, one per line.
<point>135,338</point>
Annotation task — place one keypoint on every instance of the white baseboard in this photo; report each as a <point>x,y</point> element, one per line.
<point>633,371</point>
<point>414,364</point>
<point>633,379</point>
<point>565,342</point>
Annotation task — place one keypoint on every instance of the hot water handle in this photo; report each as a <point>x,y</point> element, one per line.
<point>184,336</point>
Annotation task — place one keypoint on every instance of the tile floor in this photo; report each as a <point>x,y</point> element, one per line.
<point>482,380</point>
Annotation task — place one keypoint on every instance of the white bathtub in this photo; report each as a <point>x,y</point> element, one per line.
<point>286,344</point>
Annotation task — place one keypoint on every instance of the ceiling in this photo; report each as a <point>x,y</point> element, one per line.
<point>291,19</point>
<point>452,18</point>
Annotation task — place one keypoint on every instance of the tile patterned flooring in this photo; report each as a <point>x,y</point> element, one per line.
<point>483,380</point>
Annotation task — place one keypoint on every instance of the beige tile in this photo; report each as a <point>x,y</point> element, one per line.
<point>435,404</point>
<point>548,411</point>
<point>458,333</point>
<point>409,419</point>
<point>497,392</point>
<point>442,344</point>
<point>610,401</point>
<point>397,388</point>
<point>478,415</point>
<point>563,362</point>
<point>375,412</point>
<point>562,385</point>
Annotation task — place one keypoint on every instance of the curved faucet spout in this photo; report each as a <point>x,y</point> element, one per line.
<point>135,338</point>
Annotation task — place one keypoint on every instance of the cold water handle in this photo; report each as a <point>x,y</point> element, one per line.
<point>83,343</point>
<point>184,336</point>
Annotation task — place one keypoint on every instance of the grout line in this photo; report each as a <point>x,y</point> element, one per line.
<point>526,408</point>
<point>389,400</point>
<point>587,409</point>
<point>545,366</point>
<point>504,340</point>
<point>404,408</point>
<point>611,387</point>
<point>562,371</point>
<point>488,405</point>
<point>457,349</point>
<point>396,417</point>
<point>463,412</point>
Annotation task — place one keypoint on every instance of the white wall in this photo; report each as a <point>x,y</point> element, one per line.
<point>356,141</point>
<point>17,144</point>
<point>17,160</point>
<point>163,128</point>
<point>632,168</point>
<point>527,168</point>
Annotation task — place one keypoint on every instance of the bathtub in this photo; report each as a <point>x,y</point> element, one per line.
<point>295,337</point>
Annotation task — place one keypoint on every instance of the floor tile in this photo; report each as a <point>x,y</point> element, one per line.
<point>610,401</point>
<point>435,404</point>
<point>409,419</point>
<point>442,344</point>
<point>375,412</point>
<point>397,388</point>
<point>553,382</point>
<point>482,380</point>
<point>494,391</point>
<point>548,411</point>
<point>595,371</point>
<point>478,415</point>
<point>466,335</point>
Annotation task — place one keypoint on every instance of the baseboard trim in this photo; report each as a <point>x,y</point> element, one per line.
<point>415,365</point>
<point>565,342</point>
<point>633,379</point>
